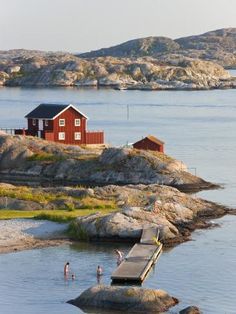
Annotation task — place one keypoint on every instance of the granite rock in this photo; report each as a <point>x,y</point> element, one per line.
<point>126,299</point>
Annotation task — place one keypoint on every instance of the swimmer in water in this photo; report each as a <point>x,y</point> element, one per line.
<point>66,269</point>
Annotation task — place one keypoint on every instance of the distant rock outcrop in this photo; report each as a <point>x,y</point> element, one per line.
<point>152,63</point>
<point>177,72</point>
<point>126,299</point>
<point>221,39</point>
<point>141,47</point>
<point>218,46</point>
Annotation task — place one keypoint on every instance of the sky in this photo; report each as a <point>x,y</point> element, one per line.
<point>84,25</point>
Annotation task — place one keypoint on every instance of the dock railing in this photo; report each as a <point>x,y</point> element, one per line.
<point>13,131</point>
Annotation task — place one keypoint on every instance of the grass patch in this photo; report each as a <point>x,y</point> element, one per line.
<point>94,203</point>
<point>27,194</point>
<point>161,156</point>
<point>43,156</point>
<point>13,214</point>
<point>53,215</point>
<point>61,218</point>
<point>87,157</point>
<point>41,197</point>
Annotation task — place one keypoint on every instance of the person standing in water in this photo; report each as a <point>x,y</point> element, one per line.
<point>99,274</point>
<point>120,256</point>
<point>99,271</point>
<point>66,269</point>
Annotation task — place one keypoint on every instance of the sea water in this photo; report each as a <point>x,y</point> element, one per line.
<point>199,128</point>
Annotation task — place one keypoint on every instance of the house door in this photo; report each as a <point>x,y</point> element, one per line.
<point>40,125</point>
<point>40,129</point>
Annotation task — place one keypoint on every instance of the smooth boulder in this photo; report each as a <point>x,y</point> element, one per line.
<point>191,310</point>
<point>130,299</point>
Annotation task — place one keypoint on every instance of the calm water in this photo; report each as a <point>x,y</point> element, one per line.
<point>198,128</point>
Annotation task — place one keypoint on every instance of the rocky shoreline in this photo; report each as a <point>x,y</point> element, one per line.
<point>35,160</point>
<point>176,214</point>
<point>24,234</point>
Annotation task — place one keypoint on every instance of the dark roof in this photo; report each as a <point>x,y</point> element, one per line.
<point>46,111</point>
<point>49,111</point>
<point>152,139</point>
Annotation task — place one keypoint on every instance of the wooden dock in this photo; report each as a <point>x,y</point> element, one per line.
<point>139,260</point>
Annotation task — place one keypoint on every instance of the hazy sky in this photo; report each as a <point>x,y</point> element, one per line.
<point>83,25</point>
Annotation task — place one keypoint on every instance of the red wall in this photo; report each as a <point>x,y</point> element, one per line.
<point>94,137</point>
<point>70,115</point>
<point>51,132</point>
<point>49,127</point>
<point>146,144</point>
<point>33,129</point>
<point>48,136</point>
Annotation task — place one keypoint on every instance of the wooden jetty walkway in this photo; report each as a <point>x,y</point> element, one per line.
<point>135,267</point>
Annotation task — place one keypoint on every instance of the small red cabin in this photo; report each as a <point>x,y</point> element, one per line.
<point>61,123</point>
<point>150,143</point>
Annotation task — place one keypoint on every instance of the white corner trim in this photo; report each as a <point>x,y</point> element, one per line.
<point>70,106</point>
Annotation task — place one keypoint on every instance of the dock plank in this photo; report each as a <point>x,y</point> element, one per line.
<point>137,263</point>
<point>148,235</point>
<point>141,251</point>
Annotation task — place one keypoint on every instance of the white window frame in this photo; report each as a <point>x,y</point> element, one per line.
<point>46,122</point>
<point>77,136</point>
<point>34,122</point>
<point>77,122</point>
<point>61,136</point>
<point>62,122</point>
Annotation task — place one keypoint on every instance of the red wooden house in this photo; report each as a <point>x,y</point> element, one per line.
<point>61,123</point>
<point>150,143</point>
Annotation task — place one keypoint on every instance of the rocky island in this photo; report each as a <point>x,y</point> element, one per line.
<point>32,159</point>
<point>137,189</point>
<point>152,63</point>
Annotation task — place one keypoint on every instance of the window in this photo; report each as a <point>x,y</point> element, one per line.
<point>62,122</point>
<point>61,136</point>
<point>77,122</point>
<point>46,122</point>
<point>34,122</point>
<point>77,136</point>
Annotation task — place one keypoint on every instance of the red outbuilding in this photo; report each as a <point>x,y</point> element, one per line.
<point>150,143</point>
<point>61,123</point>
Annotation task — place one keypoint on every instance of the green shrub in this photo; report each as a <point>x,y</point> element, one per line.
<point>76,232</point>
